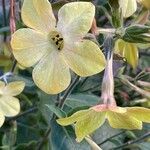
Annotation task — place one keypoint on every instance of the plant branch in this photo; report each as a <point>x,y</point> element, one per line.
<point>68,91</point>
<point>108,139</point>
<point>136,88</point>
<point>61,102</point>
<point>12,17</point>
<point>4,18</point>
<point>34,109</point>
<point>132,142</point>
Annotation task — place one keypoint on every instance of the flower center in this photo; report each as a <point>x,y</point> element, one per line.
<point>57,39</point>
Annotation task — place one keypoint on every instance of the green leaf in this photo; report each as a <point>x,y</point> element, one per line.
<point>104,133</point>
<point>63,138</point>
<point>46,99</point>
<point>57,111</point>
<point>143,145</point>
<point>80,100</point>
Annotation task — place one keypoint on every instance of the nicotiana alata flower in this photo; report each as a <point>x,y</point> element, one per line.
<point>9,105</point>
<point>87,121</point>
<point>54,48</point>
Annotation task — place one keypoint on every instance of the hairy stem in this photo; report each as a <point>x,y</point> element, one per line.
<point>147,135</point>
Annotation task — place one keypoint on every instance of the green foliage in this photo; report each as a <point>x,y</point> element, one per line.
<point>35,127</point>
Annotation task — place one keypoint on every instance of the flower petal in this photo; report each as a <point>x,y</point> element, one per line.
<point>38,15</point>
<point>123,121</point>
<point>75,19</point>
<point>29,46</point>
<point>128,7</point>
<point>14,88</point>
<point>2,119</point>
<point>9,106</point>
<point>73,118</point>
<point>2,86</point>
<point>84,58</point>
<point>51,74</point>
<point>140,113</point>
<point>89,124</point>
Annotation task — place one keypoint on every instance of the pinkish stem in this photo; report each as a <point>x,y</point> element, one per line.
<point>108,83</point>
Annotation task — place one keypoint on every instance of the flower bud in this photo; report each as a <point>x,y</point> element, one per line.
<point>145,3</point>
<point>135,34</point>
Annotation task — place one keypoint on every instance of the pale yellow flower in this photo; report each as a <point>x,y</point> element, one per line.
<point>87,121</point>
<point>9,105</point>
<point>145,3</point>
<point>128,7</point>
<point>54,48</point>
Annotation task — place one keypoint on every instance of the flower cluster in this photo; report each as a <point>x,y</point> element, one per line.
<point>9,105</point>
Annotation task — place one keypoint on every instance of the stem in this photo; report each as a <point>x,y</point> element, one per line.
<point>4,18</point>
<point>13,66</point>
<point>108,82</point>
<point>41,143</point>
<point>12,17</point>
<point>68,91</point>
<point>12,27</point>
<point>108,139</point>
<point>34,109</point>
<point>137,89</point>
<point>132,142</point>
<point>105,31</point>
<point>60,105</point>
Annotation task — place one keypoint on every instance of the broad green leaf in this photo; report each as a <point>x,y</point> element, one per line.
<point>63,138</point>
<point>45,99</point>
<point>57,111</point>
<point>105,132</point>
<point>9,137</point>
<point>79,100</point>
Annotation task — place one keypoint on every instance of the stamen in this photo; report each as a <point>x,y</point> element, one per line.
<point>57,39</point>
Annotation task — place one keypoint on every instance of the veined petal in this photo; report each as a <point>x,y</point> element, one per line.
<point>29,46</point>
<point>38,15</point>
<point>75,19</point>
<point>128,7</point>
<point>84,58</point>
<point>140,113</point>
<point>73,118</point>
<point>2,119</point>
<point>14,88</point>
<point>2,86</point>
<point>51,74</point>
<point>9,106</point>
<point>123,121</point>
<point>89,124</point>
